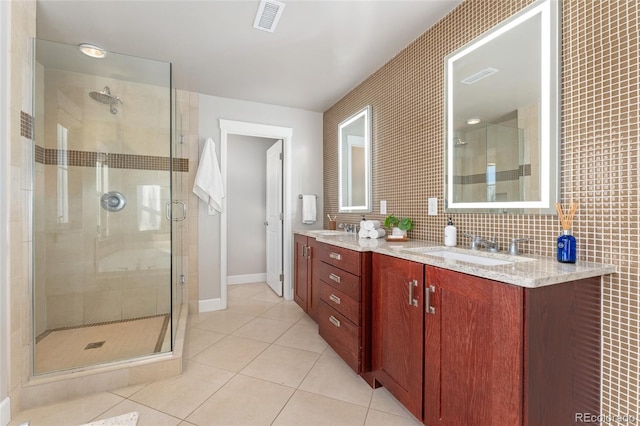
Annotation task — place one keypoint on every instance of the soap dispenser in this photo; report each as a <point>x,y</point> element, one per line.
<point>450,234</point>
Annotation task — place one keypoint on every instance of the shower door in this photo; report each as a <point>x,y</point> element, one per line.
<point>177,213</point>
<point>102,190</point>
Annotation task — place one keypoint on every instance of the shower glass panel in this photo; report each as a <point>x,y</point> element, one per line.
<point>102,279</point>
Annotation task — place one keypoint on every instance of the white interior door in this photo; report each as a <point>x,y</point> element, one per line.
<point>273,221</point>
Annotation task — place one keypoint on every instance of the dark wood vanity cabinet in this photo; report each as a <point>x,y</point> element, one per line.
<point>398,328</point>
<point>496,353</point>
<point>473,350</point>
<point>306,260</point>
<point>482,352</point>
<point>344,280</point>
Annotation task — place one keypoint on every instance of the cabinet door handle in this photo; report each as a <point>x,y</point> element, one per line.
<point>304,251</point>
<point>413,284</point>
<point>335,299</point>
<point>309,251</point>
<point>335,256</point>
<point>427,299</point>
<point>334,277</point>
<point>334,321</point>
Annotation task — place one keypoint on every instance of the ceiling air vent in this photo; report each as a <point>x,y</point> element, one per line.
<point>474,78</point>
<point>268,15</point>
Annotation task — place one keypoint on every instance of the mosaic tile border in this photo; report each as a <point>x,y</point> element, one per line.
<point>26,125</point>
<point>56,157</point>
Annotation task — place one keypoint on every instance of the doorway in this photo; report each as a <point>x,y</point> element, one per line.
<point>254,205</point>
<point>229,128</point>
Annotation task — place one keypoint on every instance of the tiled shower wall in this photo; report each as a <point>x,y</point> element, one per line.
<point>93,266</point>
<point>599,156</point>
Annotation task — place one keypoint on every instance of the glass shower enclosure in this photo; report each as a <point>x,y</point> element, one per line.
<point>106,209</point>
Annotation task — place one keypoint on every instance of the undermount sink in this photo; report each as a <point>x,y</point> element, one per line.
<point>486,259</point>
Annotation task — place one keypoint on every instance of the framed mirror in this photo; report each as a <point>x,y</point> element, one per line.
<point>354,162</point>
<point>502,117</point>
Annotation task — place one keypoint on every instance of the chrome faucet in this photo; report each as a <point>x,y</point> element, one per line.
<point>476,241</point>
<point>491,245</point>
<point>348,227</point>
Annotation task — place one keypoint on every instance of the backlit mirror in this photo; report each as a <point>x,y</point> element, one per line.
<point>502,117</point>
<point>354,159</point>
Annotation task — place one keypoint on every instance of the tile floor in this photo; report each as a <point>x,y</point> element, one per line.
<point>260,362</point>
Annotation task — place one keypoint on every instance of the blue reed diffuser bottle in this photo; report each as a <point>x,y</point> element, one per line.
<point>566,243</point>
<point>566,247</point>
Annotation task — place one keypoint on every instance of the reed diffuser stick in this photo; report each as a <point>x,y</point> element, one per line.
<point>566,220</point>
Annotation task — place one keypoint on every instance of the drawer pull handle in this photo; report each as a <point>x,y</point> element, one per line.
<point>335,256</point>
<point>335,299</point>
<point>334,321</point>
<point>427,299</point>
<point>412,302</point>
<point>334,277</point>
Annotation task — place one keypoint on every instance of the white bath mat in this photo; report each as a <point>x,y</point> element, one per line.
<point>130,419</point>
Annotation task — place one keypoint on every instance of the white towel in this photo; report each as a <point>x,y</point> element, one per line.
<point>371,224</point>
<point>208,184</point>
<point>308,209</point>
<point>377,233</point>
<point>368,243</point>
<point>363,233</point>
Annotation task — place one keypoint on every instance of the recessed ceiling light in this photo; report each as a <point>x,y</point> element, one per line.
<point>473,121</point>
<point>93,51</point>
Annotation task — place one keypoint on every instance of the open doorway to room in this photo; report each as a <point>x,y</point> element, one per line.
<point>254,205</point>
<point>235,250</point>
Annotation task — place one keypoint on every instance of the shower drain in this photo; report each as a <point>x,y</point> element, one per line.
<point>94,345</point>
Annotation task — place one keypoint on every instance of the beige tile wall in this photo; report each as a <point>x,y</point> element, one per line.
<point>600,103</point>
<point>23,28</point>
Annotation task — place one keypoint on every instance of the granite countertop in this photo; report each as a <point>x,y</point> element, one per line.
<point>524,270</point>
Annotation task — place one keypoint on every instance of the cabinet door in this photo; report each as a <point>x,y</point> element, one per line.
<point>301,271</point>
<point>473,353</point>
<point>398,329</point>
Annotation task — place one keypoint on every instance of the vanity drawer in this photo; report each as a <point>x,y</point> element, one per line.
<point>343,281</point>
<point>343,258</point>
<point>340,334</point>
<point>341,302</point>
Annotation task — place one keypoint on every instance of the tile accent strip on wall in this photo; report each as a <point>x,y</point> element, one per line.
<point>26,125</point>
<point>501,176</point>
<point>51,156</point>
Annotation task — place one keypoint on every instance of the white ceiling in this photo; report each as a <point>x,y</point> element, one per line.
<point>318,53</point>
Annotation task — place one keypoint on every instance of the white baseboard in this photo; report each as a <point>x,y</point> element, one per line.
<point>210,305</point>
<point>246,279</point>
<point>5,412</point>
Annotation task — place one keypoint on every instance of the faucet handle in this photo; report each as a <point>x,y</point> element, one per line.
<point>513,247</point>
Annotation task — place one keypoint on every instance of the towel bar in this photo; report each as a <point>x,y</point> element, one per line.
<point>300,196</point>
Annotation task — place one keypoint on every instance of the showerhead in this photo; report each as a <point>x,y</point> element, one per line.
<point>105,97</point>
<point>459,142</point>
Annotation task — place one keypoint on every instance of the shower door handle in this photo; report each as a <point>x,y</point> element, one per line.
<point>169,211</point>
